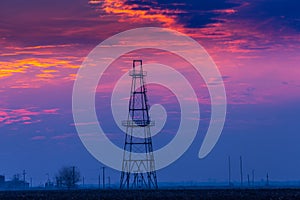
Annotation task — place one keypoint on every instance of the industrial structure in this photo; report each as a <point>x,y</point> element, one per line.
<point>138,166</point>
<point>15,183</point>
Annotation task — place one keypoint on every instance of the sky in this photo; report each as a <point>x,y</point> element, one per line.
<point>255,44</point>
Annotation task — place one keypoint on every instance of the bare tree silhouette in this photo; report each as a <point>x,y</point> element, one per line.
<point>68,177</point>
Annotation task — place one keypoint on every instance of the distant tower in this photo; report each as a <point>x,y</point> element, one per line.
<point>138,171</point>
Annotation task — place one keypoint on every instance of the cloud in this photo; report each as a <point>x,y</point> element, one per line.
<point>38,137</point>
<point>192,14</point>
<point>279,14</point>
<point>237,26</point>
<point>139,11</point>
<point>23,115</point>
<point>35,72</point>
<point>94,2</point>
<point>8,68</point>
<point>51,111</point>
<point>64,136</point>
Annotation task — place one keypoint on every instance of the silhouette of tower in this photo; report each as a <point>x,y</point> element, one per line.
<point>138,167</point>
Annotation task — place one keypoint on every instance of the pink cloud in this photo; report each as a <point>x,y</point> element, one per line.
<point>23,116</point>
<point>51,111</point>
<point>64,136</point>
<point>225,11</point>
<point>39,137</point>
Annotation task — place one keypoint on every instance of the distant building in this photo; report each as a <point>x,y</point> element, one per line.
<point>2,181</point>
<point>15,183</point>
<point>49,185</point>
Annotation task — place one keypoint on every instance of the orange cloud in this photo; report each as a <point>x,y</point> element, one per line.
<point>35,72</point>
<point>20,66</point>
<point>8,69</point>
<point>45,75</point>
<point>136,14</point>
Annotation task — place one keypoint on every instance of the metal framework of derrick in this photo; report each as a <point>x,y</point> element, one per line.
<point>138,166</point>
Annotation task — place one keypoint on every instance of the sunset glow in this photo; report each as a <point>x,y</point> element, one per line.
<point>254,44</point>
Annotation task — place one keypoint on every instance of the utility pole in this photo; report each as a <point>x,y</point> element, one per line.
<point>108,179</point>
<point>24,177</point>
<point>252,177</point>
<point>31,182</point>
<point>48,180</point>
<point>103,177</point>
<point>267,179</point>
<point>73,176</point>
<point>83,181</point>
<point>99,180</point>
<point>24,174</point>
<point>229,171</point>
<point>248,180</point>
<point>241,170</point>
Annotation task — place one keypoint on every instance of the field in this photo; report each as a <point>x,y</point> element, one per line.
<point>203,194</point>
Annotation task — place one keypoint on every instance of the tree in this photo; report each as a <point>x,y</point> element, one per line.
<point>68,177</point>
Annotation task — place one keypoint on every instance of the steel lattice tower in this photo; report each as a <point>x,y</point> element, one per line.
<point>138,171</point>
